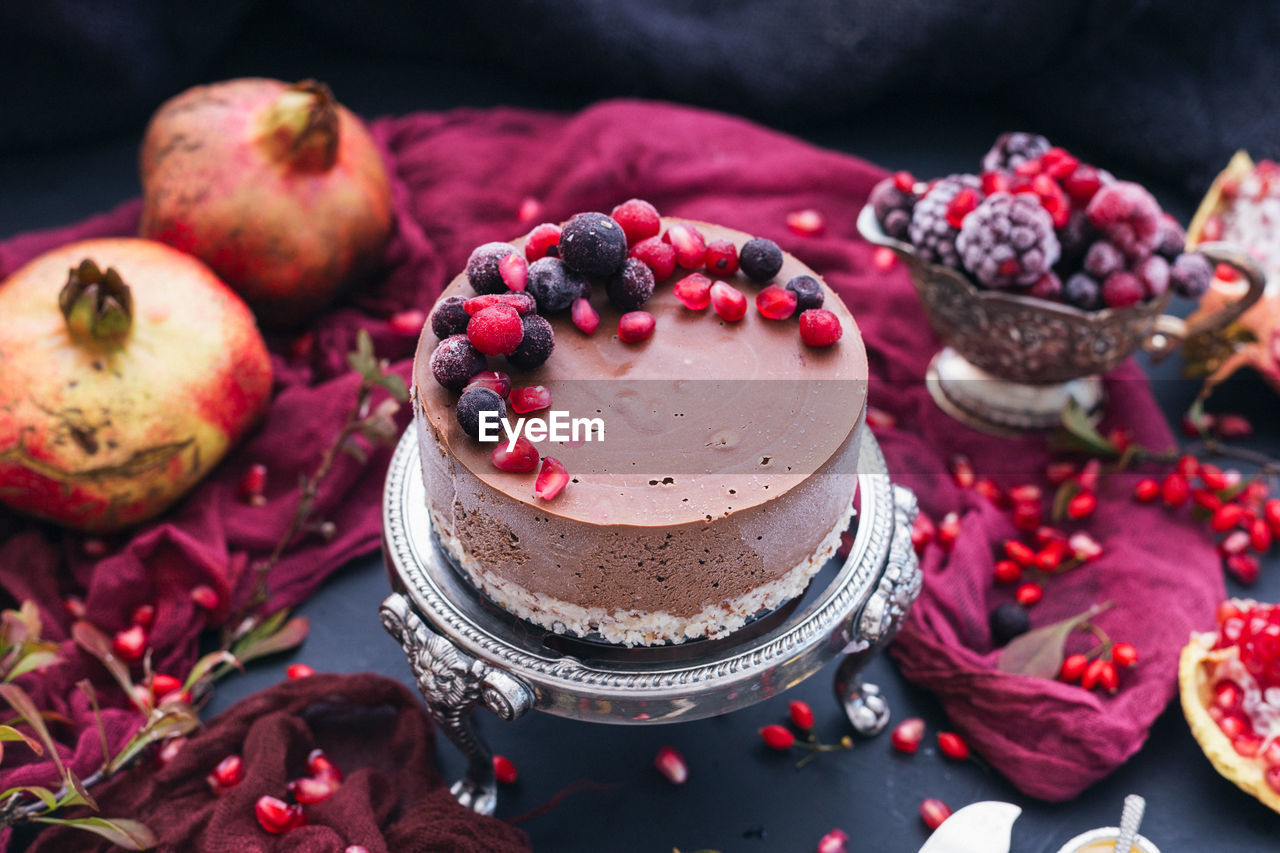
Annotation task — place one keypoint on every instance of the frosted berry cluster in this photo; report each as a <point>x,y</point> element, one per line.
<point>1038,221</point>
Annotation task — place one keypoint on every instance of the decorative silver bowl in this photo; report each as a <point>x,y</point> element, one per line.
<point>1011,362</point>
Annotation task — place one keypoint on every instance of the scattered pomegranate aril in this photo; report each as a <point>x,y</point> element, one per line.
<point>1082,505</point>
<point>144,615</point>
<point>1049,558</point>
<point>320,767</point>
<point>356,848</point>
<point>530,399</point>
<point>253,485</point>
<point>205,597</point>
<point>1088,476</point>
<point>934,812</point>
<point>162,684</point>
<point>639,220</point>
<point>801,715</point>
<point>1084,547</point>
<point>689,243</point>
<point>987,487</point>
<point>299,670</point>
<point>551,479</point>
<point>722,258</point>
<point>310,791</point>
<point>1058,473</point>
<point>1206,500</point>
<point>777,737</point>
<point>584,316</point>
<point>1212,477</point>
<point>1092,673</point>
<point>1271,512</point>
<point>1029,594</point>
<point>1028,515</point>
<point>819,328</point>
<point>543,240</point>
<point>1019,552</point>
<point>962,471</point>
<point>948,530</point>
<point>1187,466</point>
<point>953,746</point>
<point>658,255</point>
<point>514,271</point>
<point>504,771</point>
<point>130,643</point>
<point>671,764</point>
<point>1008,571</point>
<point>407,323</point>
<point>833,842</point>
<point>884,258</point>
<point>1236,542</point>
<point>1226,517</point>
<point>1174,490</point>
<point>1232,426</point>
<point>520,459</point>
<point>694,291</point>
<point>923,532</point>
<point>906,736</point>
<point>278,817</point>
<point>226,774</point>
<point>529,210</point>
<point>1260,536</point>
<point>636,326</point>
<point>728,302</point>
<point>1073,667</point>
<point>1146,491</point>
<point>776,303</point>
<point>495,380</point>
<point>1109,677</point>
<point>1245,568</point>
<point>905,182</point>
<point>806,223</point>
<point>1124,654</point>
<point>169,750</point>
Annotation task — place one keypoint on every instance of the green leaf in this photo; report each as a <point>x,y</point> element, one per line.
<point>175,720</point>
<point>205,665</point>
<point>22,704</point>
<point>98,644</point>
<point>32,662</point>
<point>363,361</point>
<point>1079,433</point>
<point>355,450</point>
<point>1040,652</point>
<point>40,792</point>
<point>129,834</point>
<point>1068,490</point>
<point>75,793</point>
<point>9,733</point>
<point>395,386</point>
<point>285,637</point>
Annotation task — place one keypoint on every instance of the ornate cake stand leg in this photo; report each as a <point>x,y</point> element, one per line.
<point>873,628</point>
<point>452,683</point>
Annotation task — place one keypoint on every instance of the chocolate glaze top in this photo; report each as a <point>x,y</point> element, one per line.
<point>703,419</point>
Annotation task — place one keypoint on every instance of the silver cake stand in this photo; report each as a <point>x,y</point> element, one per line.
<point>465,651</point>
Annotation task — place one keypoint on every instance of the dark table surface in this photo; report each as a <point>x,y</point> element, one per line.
<point>739,797</point>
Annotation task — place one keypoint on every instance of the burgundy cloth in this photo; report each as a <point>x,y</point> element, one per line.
<point>391,798</point>
<point>459,179</point>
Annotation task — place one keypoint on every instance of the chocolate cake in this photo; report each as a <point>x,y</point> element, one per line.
<point>724,479</point>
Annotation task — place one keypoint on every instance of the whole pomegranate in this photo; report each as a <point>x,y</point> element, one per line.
<point>278,188</point>
<point>128,370</point>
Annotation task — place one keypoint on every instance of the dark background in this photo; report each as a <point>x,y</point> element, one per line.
<point>1161,92</point>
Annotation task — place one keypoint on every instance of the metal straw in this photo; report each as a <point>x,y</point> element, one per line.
<point>1130,819</point>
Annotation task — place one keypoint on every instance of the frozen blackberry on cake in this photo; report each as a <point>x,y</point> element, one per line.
<point>593,244</point>
<point>454,361</point>
<point>1008,241</point>
<point>931,231</point>
<point>474,400</point>
<point>450,317</point>
<point>760,259</point>
<point>483,270</point>
<point>654,534</point>
<point>1012,150</point>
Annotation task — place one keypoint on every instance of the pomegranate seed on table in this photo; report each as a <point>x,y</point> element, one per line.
<point>689,243</point>
<point>722,258</point>
<point>1108,677</point>
<point>1226,517</point>
<point>948,530</point>
<point>639,220</point>
<point>987,487</point>
<point>1028,515</point>
<point>495,380</point>
<point>130,643</point>
<point>1146,491</point>
<point>1029,594</point>
<point>728,302</point>
<point>205,597</point>
<point>1092,673</point>
<point>320,767</point>
<point>551,479</point>
<point>1026,493</point>
<point>163,685</point>
<point>833,842</point>
<point>819,328</point>
<point>1233,426</point>
<point>1236,542</point>
<point>1046,536</point>
<point>529,210</point>
<point>806,223</point>
<point>253,484</point>
<point>1088,476</point>
<point>1174,490</point>
<point>226,774</point>
<point>1049,558</point>
<point>1187,466</point>
<point>801,715</point>
<point>777,737</point>
<point>1124,654</point>
<point>776,303</point>
<point>143,615</point>
<point>1058,473</point>
<point>934,812</point>
<point>658,255</point>
<point>635,326</point>
<point>671,764</point>
<point>504,771</point>
<point>1245,568</point>
<point>1008,571</point>
<point>530,399</point>
<point>1206,500</point>
<point>408,322</point>
<point>1019,552</point>
<point>1073,667</point>
<point>356,848</point>
<point>953,746</point>
<point>1212,477</point>
<point>169,750</point>
<point>514,271</point>
<point>922,532</point>
<point>310,791</point>
<point>541,241</point>
<point>1082,505</point>
<point>1259,535</point>
<point>276,816</point>
<point>1084,547</point>
<point>962,471</point>
<point>906,736</point>
<point>521,459</point>
<point>884,258</point>
<point>299,670</point>
<point>694,291</point>
<point>584,316</point>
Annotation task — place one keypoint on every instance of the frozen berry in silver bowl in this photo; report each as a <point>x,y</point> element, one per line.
<point>1008,241</point>
<point>931,230</point>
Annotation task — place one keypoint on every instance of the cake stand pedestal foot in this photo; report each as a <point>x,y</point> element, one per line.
<point>875,625</point>
<point>452,683</point>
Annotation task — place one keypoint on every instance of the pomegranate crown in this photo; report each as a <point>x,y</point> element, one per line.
<point>96,304</point>
<point>301,126</point>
